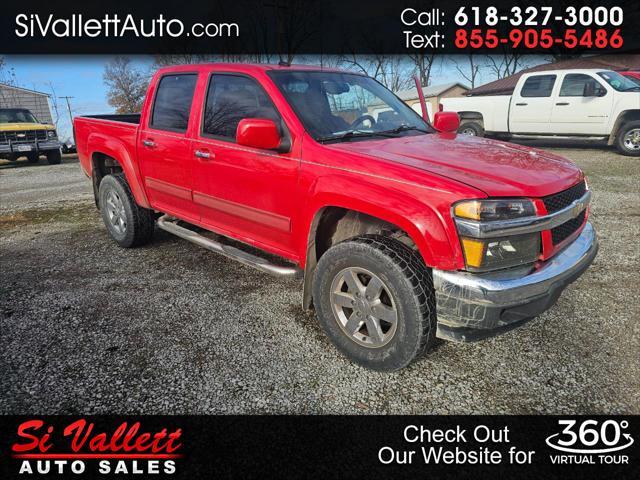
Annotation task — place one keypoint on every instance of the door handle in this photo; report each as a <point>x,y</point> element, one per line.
<point>563,104</point>
<point>149,143</point>
<point>203,154</point>
<point>521,104</point>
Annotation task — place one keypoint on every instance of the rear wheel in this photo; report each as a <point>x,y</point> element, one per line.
<point>375,300</point>
<point>628,139</point>
<point>128,224</point>
<point>33,158</point>
<point>54,157</point>
<point>472,129</point>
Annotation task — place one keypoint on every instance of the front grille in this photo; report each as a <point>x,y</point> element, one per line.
<point>567,229</point>
<point>558,201</point>
<point>23,136</point>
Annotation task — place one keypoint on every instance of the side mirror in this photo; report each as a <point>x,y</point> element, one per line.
<point>446,122</point>
<point>589,90</point>
<point>258,133</point>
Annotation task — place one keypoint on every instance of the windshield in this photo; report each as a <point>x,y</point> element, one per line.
<point>16,115</point>
<point>633,79</point>
<point>342,106</point>
<point>617,81</point>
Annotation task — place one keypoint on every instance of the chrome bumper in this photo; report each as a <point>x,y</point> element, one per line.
<point>475,306</point>
<point>24,148</point>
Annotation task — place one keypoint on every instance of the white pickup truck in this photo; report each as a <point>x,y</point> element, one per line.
<point>581,103</point>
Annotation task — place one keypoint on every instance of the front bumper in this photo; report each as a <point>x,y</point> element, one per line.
<point>24,148</point>
<point>472,307</point>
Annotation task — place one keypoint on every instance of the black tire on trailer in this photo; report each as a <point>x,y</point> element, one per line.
<point>129,224</point>
<point>375,301</point>
<point>472,129</point>
<point>54,157</point>
<point>628,139</point>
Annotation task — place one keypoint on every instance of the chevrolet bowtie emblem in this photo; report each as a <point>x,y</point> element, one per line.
<point>21,135</point>
<point>577,208</point>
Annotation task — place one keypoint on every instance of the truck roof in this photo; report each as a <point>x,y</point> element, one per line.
<point>565,70</point>
<point>248,67</point>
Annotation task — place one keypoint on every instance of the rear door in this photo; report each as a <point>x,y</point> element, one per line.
<point>531,106</point>
<point>164,149</point>
<point>245,192</point>
<point>573,113</point>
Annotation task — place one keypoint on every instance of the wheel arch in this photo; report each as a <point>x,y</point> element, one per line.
<point>624,117</point>
<point>335,221</point>
<point>109,155</point>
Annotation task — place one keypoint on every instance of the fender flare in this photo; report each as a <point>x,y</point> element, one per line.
<point>418,220</point>
<point>114,148</point>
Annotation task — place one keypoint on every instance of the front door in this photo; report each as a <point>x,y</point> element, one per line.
<point>530,110</point>
<point>164,150</point>
<point>247,193</point>
<point>574,113</point>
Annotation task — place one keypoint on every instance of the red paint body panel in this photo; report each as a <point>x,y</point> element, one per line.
<point>270,199</point>
<point>635,75</point>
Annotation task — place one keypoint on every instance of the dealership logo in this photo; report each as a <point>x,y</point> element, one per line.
<point>81,447</point>
<point>590,442</point>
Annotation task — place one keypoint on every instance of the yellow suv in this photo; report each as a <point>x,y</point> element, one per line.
<point>22,135</point>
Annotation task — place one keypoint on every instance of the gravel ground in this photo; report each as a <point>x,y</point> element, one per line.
<point>87,327</point>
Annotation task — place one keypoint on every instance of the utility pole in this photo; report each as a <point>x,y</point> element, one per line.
<point>70,116</point>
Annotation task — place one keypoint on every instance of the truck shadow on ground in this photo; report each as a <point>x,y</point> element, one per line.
<point>23,163</point>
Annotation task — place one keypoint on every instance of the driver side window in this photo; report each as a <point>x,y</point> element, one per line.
<point>231,98</point>
<point>574,85</point>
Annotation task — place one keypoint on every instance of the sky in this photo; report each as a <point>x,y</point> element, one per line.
<point>77,76</point>
<point>80,77</point>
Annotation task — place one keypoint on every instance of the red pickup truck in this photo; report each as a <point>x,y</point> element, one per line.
<point>402,229</point>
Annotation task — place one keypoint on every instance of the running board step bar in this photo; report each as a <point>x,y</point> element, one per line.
<point>169,224</point>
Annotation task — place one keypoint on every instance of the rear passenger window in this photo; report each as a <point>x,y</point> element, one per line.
<point>574,83</point>
<point>230,99</point>
<point>538,86</point>
<point>172,105</point>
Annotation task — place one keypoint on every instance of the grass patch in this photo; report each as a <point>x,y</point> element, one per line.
<point>79,213</point>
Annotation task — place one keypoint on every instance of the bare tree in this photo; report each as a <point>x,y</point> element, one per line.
<point>8,97</point>
<point>53,98</point>
<point>505,65</point>
<point>390,70</point>
<point>423,64</point>
<point>467,68</point>
<point>126,85</point>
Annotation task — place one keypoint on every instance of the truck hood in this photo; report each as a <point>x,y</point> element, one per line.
<point>497,168</point>
<point>10,127</point>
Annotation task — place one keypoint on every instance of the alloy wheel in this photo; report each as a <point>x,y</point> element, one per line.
<point>116,212</point>
<point>364,307</point>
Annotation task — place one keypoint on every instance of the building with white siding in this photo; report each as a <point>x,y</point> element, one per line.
<point>18,97</point>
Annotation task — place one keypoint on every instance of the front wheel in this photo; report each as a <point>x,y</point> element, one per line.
<point>375,300</point>
<point>628,139</point>
<point>33,157</point>
<point>54,157</point>
<point>128,224</point>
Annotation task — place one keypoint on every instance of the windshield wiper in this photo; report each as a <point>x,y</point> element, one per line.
<point>353,134</point>
<point>404,128</point>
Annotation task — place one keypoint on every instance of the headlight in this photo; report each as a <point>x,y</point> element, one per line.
<point>51,134</point>
<point>487,254</point>
<point>494,209</point>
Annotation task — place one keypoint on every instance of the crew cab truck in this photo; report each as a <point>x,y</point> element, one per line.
<point>402,231</point>
<point>22,135</point>
<point>580,103</point>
